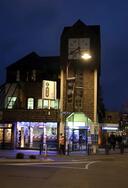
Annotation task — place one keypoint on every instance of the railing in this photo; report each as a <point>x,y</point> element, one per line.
<point>96,150</point>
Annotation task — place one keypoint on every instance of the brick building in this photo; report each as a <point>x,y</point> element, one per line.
<point>45,96</point>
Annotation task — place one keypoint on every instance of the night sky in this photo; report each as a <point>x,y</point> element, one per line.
<point>36,25</point>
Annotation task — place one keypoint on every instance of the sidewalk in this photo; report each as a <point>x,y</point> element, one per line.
<point>11,154</point>
<point>53,155</point>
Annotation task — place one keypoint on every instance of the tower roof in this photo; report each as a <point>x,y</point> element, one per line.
<point>79,23</point>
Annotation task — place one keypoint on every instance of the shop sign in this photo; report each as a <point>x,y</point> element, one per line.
<point>49,89</point>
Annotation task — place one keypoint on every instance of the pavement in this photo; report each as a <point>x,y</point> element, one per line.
<point>10,155</point>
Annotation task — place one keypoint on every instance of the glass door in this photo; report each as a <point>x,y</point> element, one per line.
<point>79,140</point>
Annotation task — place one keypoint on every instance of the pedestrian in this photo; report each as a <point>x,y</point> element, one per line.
<point>61,144</point>
<point>113,141</point>
<point>119,140</point>
<point>41,143</point>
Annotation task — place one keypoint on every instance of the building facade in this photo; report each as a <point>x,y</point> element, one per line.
<point>45,96</point>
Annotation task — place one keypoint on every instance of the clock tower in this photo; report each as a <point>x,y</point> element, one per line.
<point>80,69</point>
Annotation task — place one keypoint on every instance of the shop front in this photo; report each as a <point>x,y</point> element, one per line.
<point>78,132</point>
<point>106,130</point>
<point>6,136</point>
<point>32,134</point>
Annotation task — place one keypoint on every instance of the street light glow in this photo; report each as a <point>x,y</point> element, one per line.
<point>86,56</point>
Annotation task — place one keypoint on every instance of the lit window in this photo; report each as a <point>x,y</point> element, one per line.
<point>11,102</point>
<point>45,104</point>
<point>40,104</point>
<point>30,103</point>
<point>54,104</point>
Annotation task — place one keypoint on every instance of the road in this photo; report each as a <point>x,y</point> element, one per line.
<point>109,172</point>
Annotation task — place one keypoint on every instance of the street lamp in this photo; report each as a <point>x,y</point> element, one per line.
<point>86,56</point>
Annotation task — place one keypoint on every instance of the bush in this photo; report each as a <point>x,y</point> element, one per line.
<point>32,157</point>
<point>20,156</point>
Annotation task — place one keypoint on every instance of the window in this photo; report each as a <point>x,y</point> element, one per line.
<point>11,102</point>
<point>33,75</point>
<point>30,103</point>
<point>40,104</point>
<point>45,104</point>
<point>54,104</point>
<point>1,135</point>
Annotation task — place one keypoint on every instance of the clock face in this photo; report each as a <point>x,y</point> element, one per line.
<point>84,43</point>
<point>76,45</point>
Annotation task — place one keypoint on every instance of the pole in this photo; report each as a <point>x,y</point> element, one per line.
<point>45,150</point>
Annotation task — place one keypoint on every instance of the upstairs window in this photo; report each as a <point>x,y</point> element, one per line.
<point>54,104</point>
<point>30,103</point>
<point>11,102</point>
<point>40,104</point>
<point>33,78</point>
<point>45,104</point>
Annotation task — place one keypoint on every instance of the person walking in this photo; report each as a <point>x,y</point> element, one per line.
<point>113,141</point>
<point>119,140</point>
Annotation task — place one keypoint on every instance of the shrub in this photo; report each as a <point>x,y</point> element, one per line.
<point>20,156</point>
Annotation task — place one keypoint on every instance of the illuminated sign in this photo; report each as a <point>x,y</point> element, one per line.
<point>49,89</point>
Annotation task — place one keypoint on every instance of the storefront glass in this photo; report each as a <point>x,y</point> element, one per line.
<point>6,136</point>
<point>31,134</point>
<point>77,129</point>
<point>1,135</point>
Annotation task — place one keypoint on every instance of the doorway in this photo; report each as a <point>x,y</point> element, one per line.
<point>5,138</point>
<point>79,139</point>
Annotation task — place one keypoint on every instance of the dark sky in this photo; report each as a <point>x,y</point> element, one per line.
<point>36,25</point>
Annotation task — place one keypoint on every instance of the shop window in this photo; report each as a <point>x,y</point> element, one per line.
<point>1,135</point>
<point>40,104</point>
<point>11,102</point>
<point>7,136</point>
<point>30,103</point>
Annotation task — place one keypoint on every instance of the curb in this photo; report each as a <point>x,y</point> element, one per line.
<point>5,160</point>
<point>40,159</point>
